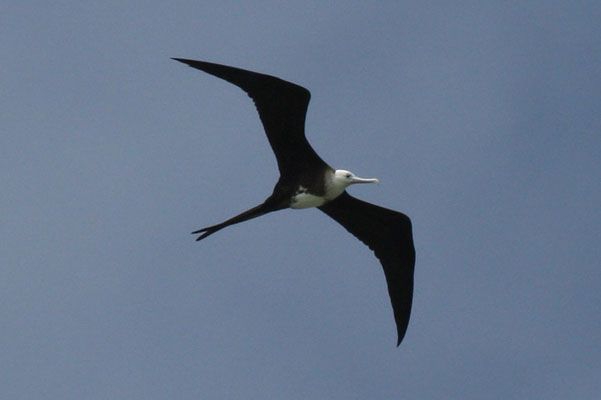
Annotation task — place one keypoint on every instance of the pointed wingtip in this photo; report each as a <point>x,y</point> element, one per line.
<point>400,337</point>
<point>186,61</point>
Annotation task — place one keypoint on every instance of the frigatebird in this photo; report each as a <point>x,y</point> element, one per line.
<point>308,181</point>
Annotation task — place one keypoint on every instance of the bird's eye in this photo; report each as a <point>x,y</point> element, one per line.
<point>348,175</point>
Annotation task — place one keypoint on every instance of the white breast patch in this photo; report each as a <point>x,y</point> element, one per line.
<point>302,199</point>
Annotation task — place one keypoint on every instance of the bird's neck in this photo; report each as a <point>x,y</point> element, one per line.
<point>333,187</point>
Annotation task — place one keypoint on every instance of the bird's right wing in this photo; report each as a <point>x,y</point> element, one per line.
<point>388,233</point>
<point>282,107</point>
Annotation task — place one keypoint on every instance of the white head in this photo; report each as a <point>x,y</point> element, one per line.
<point>342,179</point>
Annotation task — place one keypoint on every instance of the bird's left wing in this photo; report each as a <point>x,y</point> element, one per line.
<point>389,234</point>
<point>282,107</point>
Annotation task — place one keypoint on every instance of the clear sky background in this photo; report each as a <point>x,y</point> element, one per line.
<point>481,119</point>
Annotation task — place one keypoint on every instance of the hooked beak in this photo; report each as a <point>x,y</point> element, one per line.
<point>356,179</point>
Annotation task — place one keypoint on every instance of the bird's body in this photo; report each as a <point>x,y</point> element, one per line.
<point>307,181</point>
<point>303,198</point>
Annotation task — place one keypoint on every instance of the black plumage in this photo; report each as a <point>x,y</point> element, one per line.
<point>282,107</point>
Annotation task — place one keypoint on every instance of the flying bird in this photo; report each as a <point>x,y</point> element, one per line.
<point>308,181</point>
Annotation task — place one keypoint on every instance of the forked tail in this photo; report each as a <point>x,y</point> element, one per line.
<point>262,209</point>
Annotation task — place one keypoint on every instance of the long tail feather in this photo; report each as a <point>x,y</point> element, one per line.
<point>262,209</point>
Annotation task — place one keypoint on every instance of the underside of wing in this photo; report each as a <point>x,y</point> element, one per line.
<point>282,107</point>
<point>389,234</point>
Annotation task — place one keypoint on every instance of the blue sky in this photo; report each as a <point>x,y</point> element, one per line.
<point>482,121</point>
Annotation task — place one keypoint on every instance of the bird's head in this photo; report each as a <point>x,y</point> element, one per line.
<point>344,178</point>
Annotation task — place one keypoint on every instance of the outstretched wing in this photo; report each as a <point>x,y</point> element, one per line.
<point>282,107</point>
<point>388,233</point>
